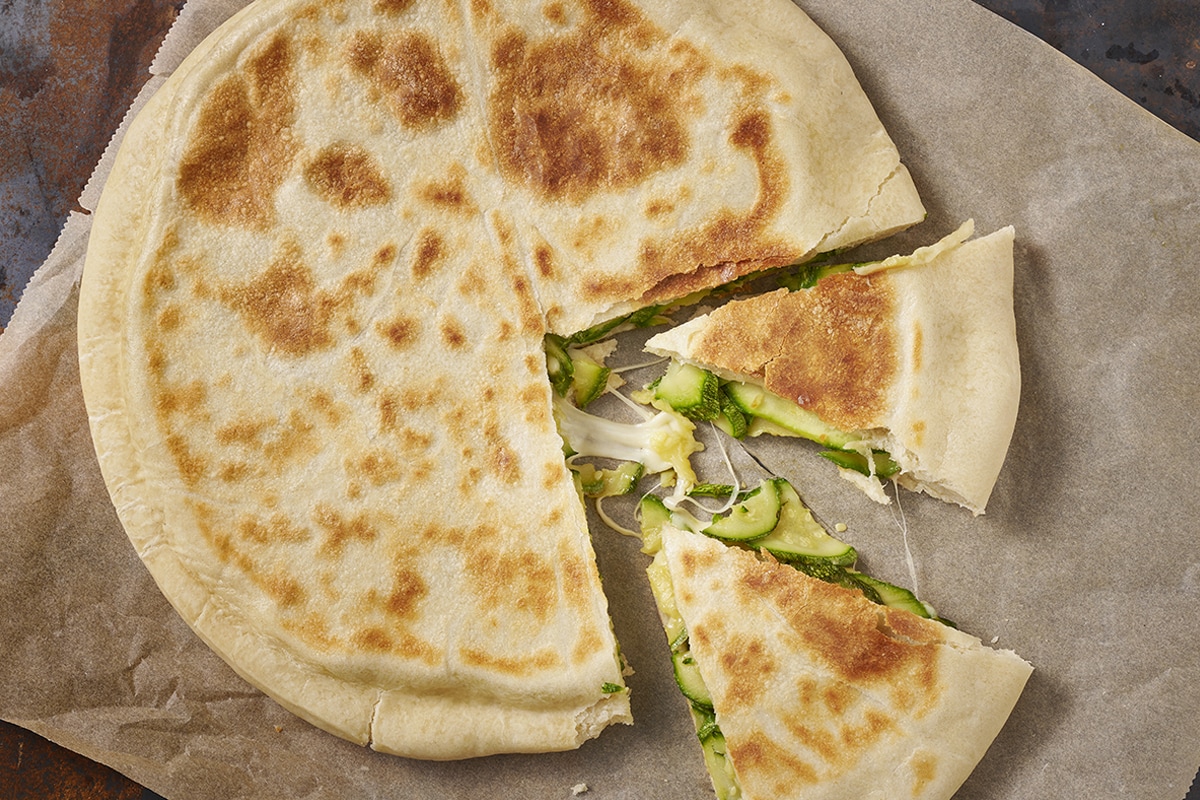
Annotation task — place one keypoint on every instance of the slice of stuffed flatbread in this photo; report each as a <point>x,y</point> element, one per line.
<point>906,368</point>
<point>813,691</point>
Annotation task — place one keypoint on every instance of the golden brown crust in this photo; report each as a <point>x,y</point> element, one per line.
<point>819,692</point>
<point>312,318</point>
<point>846,379</point>
<point>916,355</point>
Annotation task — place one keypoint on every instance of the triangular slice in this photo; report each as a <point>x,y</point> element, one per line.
<point>915,356</point>
<point>819,692</point>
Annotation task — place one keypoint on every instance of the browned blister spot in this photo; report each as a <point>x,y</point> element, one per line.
<point>337,244</point>
<point>292,437</point>
<point>339,529</point>
<point>523,665</point>
<point>283,589</point>
<point>582,112</point>
<point>859,737</point>
<point>396,640</point>
<point>659,207</point>
<point>918,346</point>
<point>758,754</point>
<point>692,563</point>
<point>407,591</point>
<point>578,580</point>
<point>544,262</point>
<point>393,8</point>
<point>924,766</point>
<point>535,407</point>
<point>453,334</point>
<point>748,665</point>
<point>523,581</point>
<point>186,399</point>
<point>241,147</point>
<point>328,408</point>
<point>389,409</point>
<point>285,307</point>
<point>401,332</point>
<point>234,471</point>
<point>821,741</point>
<point>312,628</point>
<point>411,74</point>
<point>160,277</point>
<point>555,12</point>
<point>837,698</point>
<point>502,461</point>
<point>377,467</point>
<point>372,640</point>
<point>361,372</point>
<point>429,254</point>
<point>191,464</point>
<point>347,176</point>
<point>586,646</point>
<point>170,317</point>
<point>384,256</point>
<point>450,193</point>
<point>274,529</point>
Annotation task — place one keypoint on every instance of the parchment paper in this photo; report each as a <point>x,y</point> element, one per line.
<point>1086,562</point>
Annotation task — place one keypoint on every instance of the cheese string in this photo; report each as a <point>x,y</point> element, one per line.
<point>902,522</point>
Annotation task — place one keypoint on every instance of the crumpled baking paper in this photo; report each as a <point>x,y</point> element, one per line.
<point>1086,563</point>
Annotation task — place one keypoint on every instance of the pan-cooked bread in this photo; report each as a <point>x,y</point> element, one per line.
<point>820,693</point>
<point>916,355</point>
<point>313,307</point>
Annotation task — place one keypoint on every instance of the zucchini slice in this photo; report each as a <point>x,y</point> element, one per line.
<point>895,596</point>
<point>687,674</point>
<point>731,420</point>
<point>885,467</point>
<point>589,378</point>
<point>799,536</point>
<point>753,518</point>
<point>558,364</point>
<point>755,401</point>
<point>691,391</point>
<point>595,482</point>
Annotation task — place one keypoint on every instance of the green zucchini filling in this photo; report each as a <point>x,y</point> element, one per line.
<point>770,517</point>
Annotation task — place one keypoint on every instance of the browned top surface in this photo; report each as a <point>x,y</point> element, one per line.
<point>845,677</point>
<point>832,349</point>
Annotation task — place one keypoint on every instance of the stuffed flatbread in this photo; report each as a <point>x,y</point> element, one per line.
<point>817,692</point>
<point>313,307</point>
<point>907,368</point>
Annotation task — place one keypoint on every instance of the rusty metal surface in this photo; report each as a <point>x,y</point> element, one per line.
<point>69,69</point>
<point>1148,49</point>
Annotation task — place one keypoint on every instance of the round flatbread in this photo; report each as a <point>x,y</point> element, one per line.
<point>313,307</point>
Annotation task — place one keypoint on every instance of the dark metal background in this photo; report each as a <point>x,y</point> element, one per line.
<point>70,68</point>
